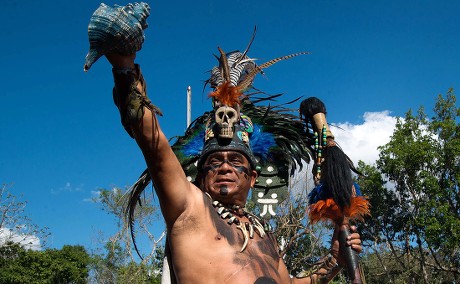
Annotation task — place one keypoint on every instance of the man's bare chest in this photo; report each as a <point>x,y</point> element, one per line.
<point>212,247</point>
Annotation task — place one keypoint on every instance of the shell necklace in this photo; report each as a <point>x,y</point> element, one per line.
<point>247,228</point>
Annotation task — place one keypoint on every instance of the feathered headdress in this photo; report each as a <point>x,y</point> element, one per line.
<point>267,136</point>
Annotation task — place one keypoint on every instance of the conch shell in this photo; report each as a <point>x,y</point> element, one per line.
<point>118,29</point>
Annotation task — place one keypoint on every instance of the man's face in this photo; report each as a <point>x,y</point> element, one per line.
<point>228,177</point>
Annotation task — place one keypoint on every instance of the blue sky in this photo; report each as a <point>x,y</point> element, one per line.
<point>60,136</point>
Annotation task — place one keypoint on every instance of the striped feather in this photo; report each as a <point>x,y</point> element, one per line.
<point>224,65</point>
<point>238,66</point>
<point>250,77</point>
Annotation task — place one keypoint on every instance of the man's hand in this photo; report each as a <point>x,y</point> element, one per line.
<point>353,240</point>
<point>121,61</point>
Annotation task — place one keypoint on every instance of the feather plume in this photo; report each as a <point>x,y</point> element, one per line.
<point>262,142</point>
<point>195,144</point>
<point>250,43</point>
<point>327,209</point>
<point>336,174</point>
<point>131,198</point>
<point>224,65</point>
<point>227,95</point>
<point>311,106</point>
<point>250,77</point>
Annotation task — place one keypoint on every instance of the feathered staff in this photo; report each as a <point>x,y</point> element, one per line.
<point>336,197</point>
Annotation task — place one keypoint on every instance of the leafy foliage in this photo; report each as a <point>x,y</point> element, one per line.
<point>67,265</point>
<point>116,266</point>
<point>414,231</point>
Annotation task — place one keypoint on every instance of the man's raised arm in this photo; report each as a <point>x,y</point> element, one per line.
<point>138,116</point>
<point>118,33</point>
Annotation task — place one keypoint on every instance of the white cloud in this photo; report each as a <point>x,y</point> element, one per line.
<point>67,188</point>
<point>26,241</point>
<point>360,141</point>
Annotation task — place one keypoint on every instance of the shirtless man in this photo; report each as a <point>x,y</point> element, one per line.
<point>204,247</point>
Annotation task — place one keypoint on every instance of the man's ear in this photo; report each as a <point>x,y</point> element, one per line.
<point>254,176</point>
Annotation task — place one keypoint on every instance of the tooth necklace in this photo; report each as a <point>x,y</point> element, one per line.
<point>246,228</point>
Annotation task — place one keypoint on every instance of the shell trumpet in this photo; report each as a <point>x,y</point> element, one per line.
<point>118,29</point>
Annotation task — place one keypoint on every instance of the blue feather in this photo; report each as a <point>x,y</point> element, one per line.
<point>195,145</point>
<point>321,192</point>
<point>261,142</point>
<point>358,189</point>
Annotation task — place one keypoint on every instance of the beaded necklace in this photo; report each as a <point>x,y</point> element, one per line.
<point>247,228</point>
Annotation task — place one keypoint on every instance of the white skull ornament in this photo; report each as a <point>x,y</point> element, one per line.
<point>226,117</point>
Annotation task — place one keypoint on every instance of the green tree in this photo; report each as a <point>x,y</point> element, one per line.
<point>380,231</point>
<point>415,226</point>
<point>67,265</point>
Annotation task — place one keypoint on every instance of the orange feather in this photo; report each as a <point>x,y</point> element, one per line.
<point>328,210</point>
<point>227,95</point>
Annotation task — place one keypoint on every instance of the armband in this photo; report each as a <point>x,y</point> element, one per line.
<point>129,100</point>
